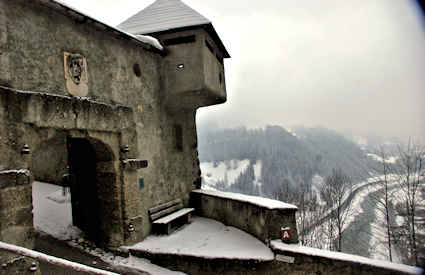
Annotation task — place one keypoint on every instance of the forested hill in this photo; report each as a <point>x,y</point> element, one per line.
<point>287,158</point>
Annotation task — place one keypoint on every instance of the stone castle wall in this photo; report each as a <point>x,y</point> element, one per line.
<point>34,37</point>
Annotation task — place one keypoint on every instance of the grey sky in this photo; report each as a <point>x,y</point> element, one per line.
<point>352,64</point>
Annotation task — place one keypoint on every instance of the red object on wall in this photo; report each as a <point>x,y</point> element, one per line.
<point>285,233</point>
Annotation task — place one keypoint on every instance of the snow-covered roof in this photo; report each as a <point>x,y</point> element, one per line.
<point>309,251</point>
<point>60,5</point>
<point>259,201</point>
<point>164,15</point>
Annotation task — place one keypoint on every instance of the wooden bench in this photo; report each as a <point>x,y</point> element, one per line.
<point>169,215</point>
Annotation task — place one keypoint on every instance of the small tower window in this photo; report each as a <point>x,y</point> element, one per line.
<point>180,66</point>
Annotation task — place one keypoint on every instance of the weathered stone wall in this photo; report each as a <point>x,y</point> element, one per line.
<point>33,40</point>
<point>262,222</point>
<point>15,208</point>
<point>303,264</point>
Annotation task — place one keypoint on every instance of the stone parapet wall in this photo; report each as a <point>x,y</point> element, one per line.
<point>260,217</point>
<point>296,259</point>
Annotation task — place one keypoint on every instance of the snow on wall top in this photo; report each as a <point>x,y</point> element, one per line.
<point>259,201</point>
<point>309,251</point>
<point>144,39</point>
<point>163,15</point>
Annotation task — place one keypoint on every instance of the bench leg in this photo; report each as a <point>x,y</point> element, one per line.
<point>189,218</point>
<point>168,228</point>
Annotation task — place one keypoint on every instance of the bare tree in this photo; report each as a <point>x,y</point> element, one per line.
<point>337,192</point>
<point>382,200</point>
<point>410,173</point>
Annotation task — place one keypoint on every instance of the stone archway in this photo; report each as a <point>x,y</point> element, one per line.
<point>94,189</point>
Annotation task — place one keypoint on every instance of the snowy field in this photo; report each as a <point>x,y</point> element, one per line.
<point>227,172</point>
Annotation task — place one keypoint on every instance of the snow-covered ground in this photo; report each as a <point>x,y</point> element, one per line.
<point>207,238</point>
<point>53,216</point>
<point>52,211</point>
<point>227,172</point>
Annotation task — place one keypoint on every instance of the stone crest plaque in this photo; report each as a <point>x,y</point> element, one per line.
<point>75,67</point>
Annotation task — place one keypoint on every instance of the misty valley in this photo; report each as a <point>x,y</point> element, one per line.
<point>358,195</point>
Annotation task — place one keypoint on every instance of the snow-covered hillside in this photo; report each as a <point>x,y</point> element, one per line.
<point>226,172</point>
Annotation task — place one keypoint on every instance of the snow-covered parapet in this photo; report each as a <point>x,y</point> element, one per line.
<point>258,216</point>
<point>297,253</point>
<point>259,201</point>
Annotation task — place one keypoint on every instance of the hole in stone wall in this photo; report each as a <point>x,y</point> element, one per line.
<point>220,77</point>
<point>136,70</point>
<point>180,66</point>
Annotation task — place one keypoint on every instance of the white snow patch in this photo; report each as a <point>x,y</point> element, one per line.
<point>50,216</point>
<point>145,266</point>
<point>309,251</point>
<point>207,238</point>
<point>226,171</point>
<point>20,171</point>
<point>391,159</point>
<point>257,173</point>
<point>149,40</point>
<point>259,201</point>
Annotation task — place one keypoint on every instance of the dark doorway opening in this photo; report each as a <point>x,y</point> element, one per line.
<point>84,190</point>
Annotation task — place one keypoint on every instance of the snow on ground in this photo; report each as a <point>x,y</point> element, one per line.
<point>208,238</point>
<point>316,183</point>
<point>391,159</point>
<point>52,211</point>
<point>53,216</point>
<point>257,173</point>
<point>259,201</point>
<point>226,171</point>
<point>279,245</point>
<point>356,203</point>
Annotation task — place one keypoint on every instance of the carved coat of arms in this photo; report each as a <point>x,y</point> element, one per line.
<point>76,77</point>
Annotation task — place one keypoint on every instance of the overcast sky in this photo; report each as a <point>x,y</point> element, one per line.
<point>347,65</point>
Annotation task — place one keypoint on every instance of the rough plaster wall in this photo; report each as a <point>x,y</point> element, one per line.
<point>50,160</point>
<point>212,69</point>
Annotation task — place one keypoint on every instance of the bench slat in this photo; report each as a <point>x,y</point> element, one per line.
<point>175,215</point>
<point>163,206</point>
<point>166,211</point>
